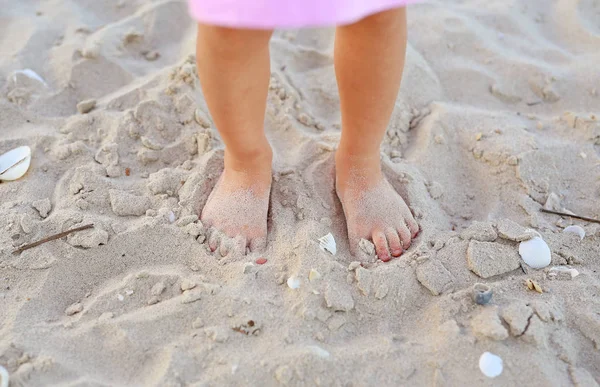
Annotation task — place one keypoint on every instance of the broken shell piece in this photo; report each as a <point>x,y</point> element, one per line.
<point>554,271</point>
<point>30,74</point>
<point>327,242</point>
<point>532,285</point>
<point>490,365</point>
<point>14,163</point>
<point>535,252</point>
<point>482,293</point>
<point>3,377</point>
<point>293,282</point>
<point>576,230</point>
<point>313,275</point>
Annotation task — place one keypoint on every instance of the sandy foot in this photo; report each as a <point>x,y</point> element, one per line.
<point>238,207</point>
<point>374,211</point>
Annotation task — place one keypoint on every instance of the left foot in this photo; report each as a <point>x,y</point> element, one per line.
<point>373,209</point>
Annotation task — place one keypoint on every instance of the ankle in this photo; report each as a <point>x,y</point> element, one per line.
<point>251,162</point>
<point>359,171</point>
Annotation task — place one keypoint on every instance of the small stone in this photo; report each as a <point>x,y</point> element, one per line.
<point>487,259</point>
<point>189,297</point>
<point>487,324</point>
<point>74,309</point>
<point>261,261</point>
<point>517,317</point>
<point>479,231</point>
<point>198,323</point>
<point>153,300</point>
<point>339,297</point>
<point>86,106</point>
<point>434,276</point>
<point>507,229</point>
<point>187,285</point>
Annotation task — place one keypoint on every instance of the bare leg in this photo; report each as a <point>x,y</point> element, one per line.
<point>369,59</point>
<point>234,71</point>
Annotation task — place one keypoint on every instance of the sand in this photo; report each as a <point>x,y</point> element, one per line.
<point>497,117</point>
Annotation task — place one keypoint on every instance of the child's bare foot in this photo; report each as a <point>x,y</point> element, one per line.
<point>239,203</point>
<point>373,209</point>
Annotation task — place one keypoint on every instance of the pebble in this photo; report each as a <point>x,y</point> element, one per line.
<point>153,300</point>
<point>487,259</point>
<point>74,309</point>
<point>261,261</point>
<point>86,106</point>
<point>187,285</point>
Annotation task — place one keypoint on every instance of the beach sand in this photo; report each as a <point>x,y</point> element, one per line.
<point>498,116</point>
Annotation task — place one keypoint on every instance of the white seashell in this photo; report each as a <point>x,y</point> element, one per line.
<point>120,297</point>
<point>327,242</point>
<point>320,352</point>
<point>490,364</point>
<point>535,252</point>
<point>573,272</point>
<point>576,230</point>
<point>14,163</point>
<point>171,216</point>
<point>293,282</point>
<point>3,377</point>
<point>30,74</point>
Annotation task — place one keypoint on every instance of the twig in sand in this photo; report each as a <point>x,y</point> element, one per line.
<point>570,215</point>
<point>51,238</point>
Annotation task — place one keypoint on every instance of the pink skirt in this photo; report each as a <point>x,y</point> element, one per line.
<point>269,14</point>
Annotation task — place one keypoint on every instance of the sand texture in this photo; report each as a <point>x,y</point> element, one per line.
<point>498,116</point>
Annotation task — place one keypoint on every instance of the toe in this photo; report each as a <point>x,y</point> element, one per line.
<point>258,244</point>
<point>213,240</point>
<point>381,246</point>
<point>412,225</point>
<point>394,242</point>
<point>405,236</point>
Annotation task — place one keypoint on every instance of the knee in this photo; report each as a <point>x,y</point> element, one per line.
<point>233,39</point>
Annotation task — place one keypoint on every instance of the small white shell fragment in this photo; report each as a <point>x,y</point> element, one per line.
<point>14,163</point>
<point>327,242</point>
<point>3,377</point>
<point>320,352</point>
<point>120,297</point>
<point>293,282</point>
<point>576,230</point>
<point>313,275</point>
<point>129,292</point>
<point>30,74</point>
<point>171,216</point>
<point>573,272</point>
<point>535,252</point>
<point>490,364</point>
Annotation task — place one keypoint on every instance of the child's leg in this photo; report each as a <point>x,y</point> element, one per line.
<point>369,58</point>
<point>234,71</point>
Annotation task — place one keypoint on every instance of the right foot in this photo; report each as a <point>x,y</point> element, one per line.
<point>239,203</point>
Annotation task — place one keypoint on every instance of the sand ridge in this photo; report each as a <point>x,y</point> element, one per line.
<point>497,118</point>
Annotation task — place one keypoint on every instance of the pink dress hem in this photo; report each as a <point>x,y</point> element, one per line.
<point>271,14</point>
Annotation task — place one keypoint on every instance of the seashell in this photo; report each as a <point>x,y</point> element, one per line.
<point>482,293</point>
<point>14,163</point>
<point>490,365</point>
<point>30,74</point>
<point>561,269</point>
<point>320,352</point>
<point>120,297</point>
<point>293,282</point>
<point>576,230</point>
<point>532,285</point>
<point>535,252</point>
<point>313,275</point>
<point>4,379</point>
<point>327,242</point>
